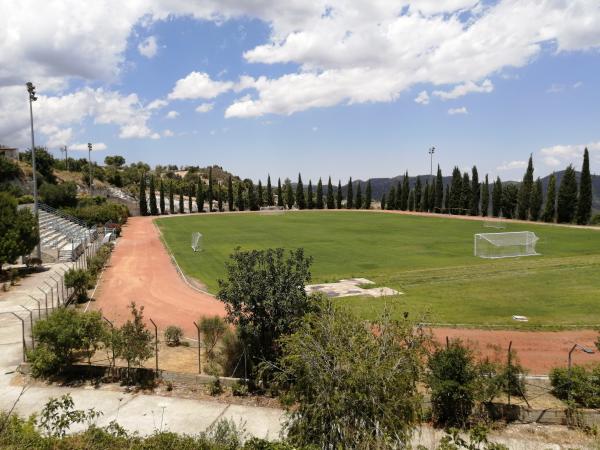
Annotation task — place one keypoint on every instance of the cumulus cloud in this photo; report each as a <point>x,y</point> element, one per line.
<point>464,89</point>
<point>168,133</point>
<point>563,155</point>
<point>157,104</point>
<point>461,110</point>
<point>205,107</point>
<point>512,165</point>
<point>96,146</point>
<point>198,85</point>
<point>148,47</point>
<point>172,114</point>
<point>422,98</point>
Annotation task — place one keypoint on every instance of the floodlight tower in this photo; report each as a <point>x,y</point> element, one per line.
<point>90,165</point>
<point>33,98</point>
<point>431,152</point>
<point>64,150</point>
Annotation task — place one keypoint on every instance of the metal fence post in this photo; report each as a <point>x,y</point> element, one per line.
<point>51,294</point>
<point>31,325</point>
<point>22,335</point>
<point>46,297</point>
<point>199,349</point>
<point>155,344</point>
<point>39,307</point>
<point>57,290</point>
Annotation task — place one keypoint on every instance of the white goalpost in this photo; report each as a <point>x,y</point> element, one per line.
<point>494,222</point>
<point>505,245</point>
<point>197,242</point>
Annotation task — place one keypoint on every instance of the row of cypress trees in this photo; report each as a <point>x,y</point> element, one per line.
<point>467,196</point>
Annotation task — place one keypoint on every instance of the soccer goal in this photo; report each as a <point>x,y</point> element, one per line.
<point>494,222</point>
<point>197,242</point>
<point>505,245</point>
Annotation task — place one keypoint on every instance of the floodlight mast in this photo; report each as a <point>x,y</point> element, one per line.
<point>90,164</point>
<point>431,152</point>
<point>33,98</point>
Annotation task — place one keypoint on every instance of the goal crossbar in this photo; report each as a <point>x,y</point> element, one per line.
<point>505,245</point>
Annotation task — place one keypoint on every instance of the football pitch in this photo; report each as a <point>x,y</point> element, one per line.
<point>429,259</point>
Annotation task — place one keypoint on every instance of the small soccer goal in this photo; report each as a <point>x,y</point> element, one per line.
<point>494,222</point>
<point>197,242</point>
<point>505,245</point>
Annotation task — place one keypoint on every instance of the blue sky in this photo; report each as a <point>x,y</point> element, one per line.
<point>290,89</point>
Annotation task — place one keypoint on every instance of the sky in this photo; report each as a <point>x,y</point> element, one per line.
<point>323,87</point>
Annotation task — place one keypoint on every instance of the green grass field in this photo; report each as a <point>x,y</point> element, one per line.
<point>429,259</point>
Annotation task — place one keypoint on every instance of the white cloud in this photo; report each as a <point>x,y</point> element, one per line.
<point>198,85</point>
<point>172,114</point>
<point>555,88</point>
<point>422,98</point>
<point>563,155</point>
<point>577,84</point>
<point>157,104</point>
<point>512,165</point>
<point>96,146</point>
<point>464,89</point>
<point>148,47</point>
<point>204,107</point>
<point>168,133</point>
<point>461,110</point>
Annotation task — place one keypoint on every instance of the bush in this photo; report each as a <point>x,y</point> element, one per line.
<point>231,354</point>
<point>98,261</point>
<point>78,280</point>
<point>595,220</point>
<point>240,389</point>
<point>18,230</point>
<point>215,387</point>
<point>100,214</point>
<point>25,199</point>
<point>583,383</point>
<point>59,195</point>
<point>212,329</point>
<point>173,335</point>
<point>8,169</point>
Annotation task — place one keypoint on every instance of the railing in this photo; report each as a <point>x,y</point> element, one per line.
<point>61,214</point>
<point>81,235</point>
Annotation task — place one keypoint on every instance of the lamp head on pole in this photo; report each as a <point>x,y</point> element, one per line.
<point>31,90</point>
<point>90,146</point>
<point>432,150</point>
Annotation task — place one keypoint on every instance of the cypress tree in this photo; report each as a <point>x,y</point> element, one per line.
<point>418,194</point>
<point>350,195</point>
<point>330,200</point>
<point>391,202</point>
<point>171,198</point>
<point>584,202</point>
<point>398,195</point>
<point>485,197</point>
<point>567,197</point>
<point>143,200</point>
<point>289,194</point>
<point>510,198</point>
<point>270,199</point>
<point>550,208</point>
<point>431,195</point>
<point>358,203</point>
<point>475,192</point>
<point>309,196</point>
<point>190,198</point>
<point>252,199</point>
<point>279,194</point>
<point>455,191</point>
<point>382,206</point>
<point>439,190</point>
<point>220,198</point>
<point>260,195</point>
<point>466,194</point>
<point>411,200</point>
<point>181,208</point>
<point>162,196</point>
<point>368,195</point>
<point>340,196</point>
<point>200,195</point>
<point>525,189</point>
<point>497,198</point>
<point>320,204</point>
<point>405,192</point>
<point>153,208</point>
<point>425,197</point>
<point>447,200</point>
<point>537,198</point>
<point>241,206</point>
<point>300,199</point>
<point>210,193</point>
<point>230,204</point>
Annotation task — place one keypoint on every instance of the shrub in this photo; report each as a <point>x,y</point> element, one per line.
<point>100,214</point>
<point>215,387</point>
<point>595,220</point>
<point>173,335</point>
<point>78,280</point>
<point>18,230</point>
<point>59,195</point>
<point>240,389</point>
<point>98,261</point>
<point>212,329</point>
<point>583,383</point>
<point>231,354</point>
<point>8,169</point>
<point>25,199</point>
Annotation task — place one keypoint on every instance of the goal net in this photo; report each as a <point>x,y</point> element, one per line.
<point>494,222</point>
<point>197,241</point>
<point>505,245</point>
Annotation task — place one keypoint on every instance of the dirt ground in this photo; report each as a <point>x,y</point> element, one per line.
<point>141,270</point>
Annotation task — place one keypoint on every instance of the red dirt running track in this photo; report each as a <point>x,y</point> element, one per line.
<point>141,270</point>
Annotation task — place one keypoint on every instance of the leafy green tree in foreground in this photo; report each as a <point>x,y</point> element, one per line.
<point>584,202</point>
<point>567,197</point>
<point>264,297</point>
<point>78,280</point>
<point>162,197</point>
<point>18,230</point>
<point>143,200</point>
<point>550,209</point>
<point>351,387</point>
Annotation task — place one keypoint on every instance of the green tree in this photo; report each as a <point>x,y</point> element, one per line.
<point>240,197</point>
<point>78,280</point>
<point>320,204</point>
<point>270,198</point>
<point>181,203</point>
<point>143,200</point>
<point>300,199</point>
<point>383,201</point>
<point>431,196</point>
<point>584,202</point>
<point>537,199</point>
<point>230,204</point>
<point>59,195</point>
<point>525,189</point>
<point>359,200</point>
<point>456,190</point>
<point>152,188</point>
<point>475,192</point>
<point>289,194</point>
<point>391,199</point>
<point>425,197</point>
<point>466,194</point>
<point>447,199</point>
<point>398,195</point>
<point>171,198</point>
<point>485,197</point>
<point>260,195</point>
<point>279,193</point>
<point>330,198</point>
<point>368,195</point>
<point>264,297</point>
<point>252,200</point>
<point>161,189</point>
<point>349,195</point>
<point>351,387</point>
<point>200,194</point>
<point>220,198</point>
<point>136,340</point>
<point>210,192</point>
<point>18,230</point>
<point>550,208</point>
<point>212,329</point>
<point>497,198</point>
<point>567,197</point>
<point>510,198</point>
<point>191,189</point>
<point>339,197</point>
<point>115,161</point>
<point>439,190</point>
<point>411,200</point>
<point>418,192</point>
<point>405,192</point>
<point>44,163</point>
<point>309,196</point>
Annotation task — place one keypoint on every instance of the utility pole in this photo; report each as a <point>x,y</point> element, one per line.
<point>33,98</point>
<point>90,164</point>
<point>64,150</point>
<point>431,152</point>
